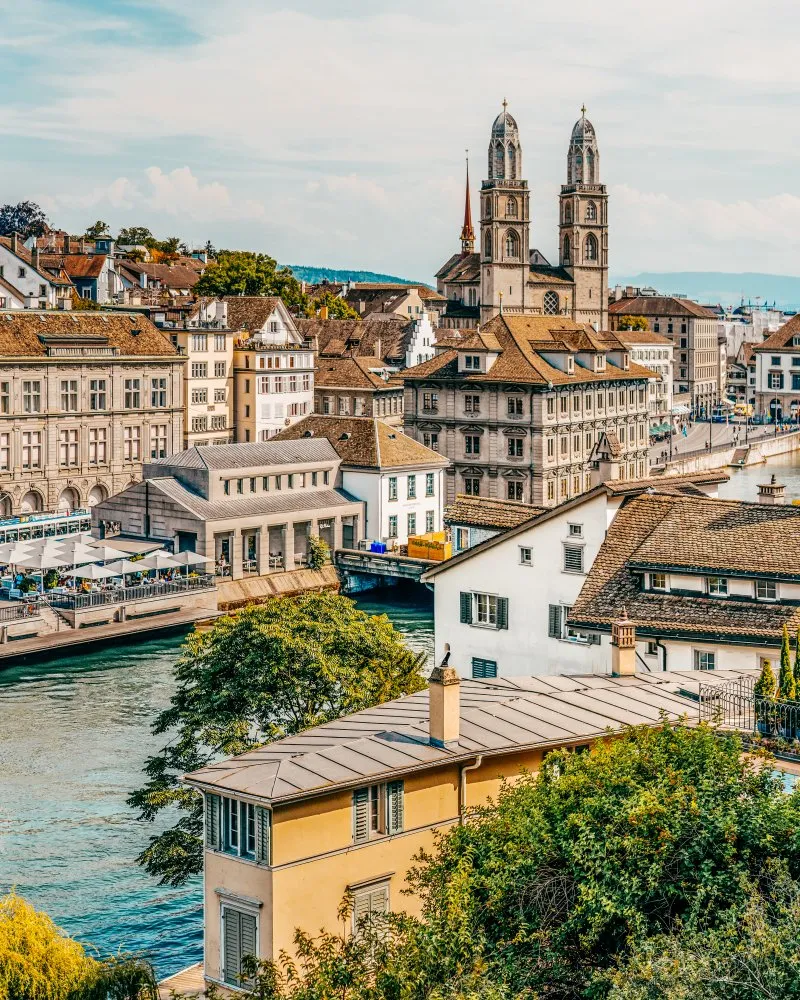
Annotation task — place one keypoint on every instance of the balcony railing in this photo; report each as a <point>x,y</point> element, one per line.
<point>126,595</point>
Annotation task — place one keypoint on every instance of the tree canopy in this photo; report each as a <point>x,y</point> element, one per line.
<point>633,323</point>
<point>97,230</point>
<point>337,307</point>
<point>600,878</point>
<point>26,218</point>
<point>263,673</point>
<point>240,272</point>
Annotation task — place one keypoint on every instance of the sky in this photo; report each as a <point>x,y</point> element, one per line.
<point>333,132</point>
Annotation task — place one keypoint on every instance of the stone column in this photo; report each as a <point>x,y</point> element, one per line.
<point>337,532</point>
<point>262,550</point>
<point>237,570</point>
<point>288,546</point>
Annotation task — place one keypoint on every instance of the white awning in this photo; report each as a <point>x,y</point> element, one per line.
<point>681,410</point>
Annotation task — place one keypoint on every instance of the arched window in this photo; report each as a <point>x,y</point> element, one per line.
<point>512,162</point>
<point>567,212</point>
<point>488,245</point>
<point>511,208</point>
<point>578,168</point>
<point>590,248</point>
<point>591,212</point>
<point>589,167</point>
<point>550,303</point>
<point>512,245</point>
<point>566,256</point>
<point>499,158</point>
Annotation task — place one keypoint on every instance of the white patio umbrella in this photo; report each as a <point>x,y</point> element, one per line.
<point>92,572</point>
<point>159,560</point>
<point>7,549</point>
<point>188,559</point>
<point>107,552</point>
<point>122,567</point>
<point>42,560</point>
<point>77,552</point>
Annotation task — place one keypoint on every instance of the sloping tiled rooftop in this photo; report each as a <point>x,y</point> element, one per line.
<point>485,512</point>
<point>249,456</point>
<point>26,333</point>
<point>497,717</point>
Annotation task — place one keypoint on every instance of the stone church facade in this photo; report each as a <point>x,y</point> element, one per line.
<point>503,274</point>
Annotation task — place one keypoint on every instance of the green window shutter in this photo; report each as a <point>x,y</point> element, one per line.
<point>213,803</point>
<point>360,815</point>
<point>554,621</point>
<point>360,911</point>
<point>247,938</point>
<point>502,612</point>
<point>395,807</point>
<point>231,947</point>
<point>263,836</point>
<point>466,608</point>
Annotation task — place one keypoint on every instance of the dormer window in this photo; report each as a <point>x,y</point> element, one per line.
<point>766,590</point>
<point>717,586</point>
<point>795,341</point>
<point>599,362</point>
<point>472,362</point>
<point>658,581</point>
<point>626,361</point>
<point>570,365</point>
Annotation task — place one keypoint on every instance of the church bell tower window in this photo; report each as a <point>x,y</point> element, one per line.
<point>567,255</point>
<point>550,303</point>
<point>591,212</point>
<point>511,208</point>
<point>512,245</point>
<point>590,248</point>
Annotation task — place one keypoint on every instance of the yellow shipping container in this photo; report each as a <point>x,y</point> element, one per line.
<point>433,546</point>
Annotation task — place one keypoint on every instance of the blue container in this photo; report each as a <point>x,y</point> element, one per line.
<point>379,547</point>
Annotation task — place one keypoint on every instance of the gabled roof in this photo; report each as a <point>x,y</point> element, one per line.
<point>247,456</point>
<point>378,335</point>
<point>637,338</point>
<point>364,442</point>
<point>461,267</point>
<point>75,265</point>
<point>250,312</point>
<point>487,512</point>
<point>781,338</point>
<point>659,305</point>
<point>523,341</point>
<point>498,717</point>
<point>703,536</point>
<point>619,487</point>
<point>352,373</point>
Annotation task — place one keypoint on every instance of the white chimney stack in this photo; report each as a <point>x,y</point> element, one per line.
<point>444,698</point>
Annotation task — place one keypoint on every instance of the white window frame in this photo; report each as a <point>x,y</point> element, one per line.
<point>772,583</point>
<point>699,654</point>
<point>489,612</point>
<point>655,586</point>
<point>713,589</point>
<point>525,559</point>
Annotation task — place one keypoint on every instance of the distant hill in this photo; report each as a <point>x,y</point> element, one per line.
<point>315,275</point>
<point>721,286</point>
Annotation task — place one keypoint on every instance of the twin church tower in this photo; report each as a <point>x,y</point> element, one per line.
<point>505,274</point>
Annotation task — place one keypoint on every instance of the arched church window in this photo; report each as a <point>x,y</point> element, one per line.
<point>488,245</point>
<point>578,168</point>
<point>512,162</point>
<point>550,303</point>
<point>568,213</point>
<point>512,245</point>
<point>499,158</point>
<point>589,167</point>
<point>591,212</point>
<point>567,254</point>
<point>590,248</point>
<point>511,208</point>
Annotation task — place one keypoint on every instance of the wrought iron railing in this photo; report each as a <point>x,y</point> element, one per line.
<point>735,704</point>
<point>125,595</point>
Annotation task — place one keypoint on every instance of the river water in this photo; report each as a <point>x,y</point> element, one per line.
<point>74,734</point>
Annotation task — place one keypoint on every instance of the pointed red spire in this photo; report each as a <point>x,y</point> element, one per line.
<point>467,232</point>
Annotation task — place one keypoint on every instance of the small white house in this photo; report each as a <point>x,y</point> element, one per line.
<point>503,605</point>
<point>24,284</point>
<point>400,480</point>
<point>421,341</point>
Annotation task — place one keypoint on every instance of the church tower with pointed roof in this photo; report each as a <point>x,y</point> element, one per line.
<point>505,223</point>
<point>583,227</point>
<point>467,231</point>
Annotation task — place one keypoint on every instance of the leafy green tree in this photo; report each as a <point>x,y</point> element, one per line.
<point>797,661</point>
<point>766,686</point>
<point>633,323</point>
<point>319,552</point>
<point>39,962</point>
<point>240,272</point>
<point>337,307</point>
<point>210,249</point>
<point>135,236</point>
<point>263,673</point>
<point>25,218</point>
<point>97,230</point>
<point>786,685</point>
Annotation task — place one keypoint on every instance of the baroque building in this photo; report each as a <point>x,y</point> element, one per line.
<point>504,274</point>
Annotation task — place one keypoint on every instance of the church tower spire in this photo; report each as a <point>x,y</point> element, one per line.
<point>467,232</point>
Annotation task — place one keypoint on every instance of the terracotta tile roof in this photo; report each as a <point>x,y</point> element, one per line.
<point>617,487</point>
<point>485,512</point>
<point>717,537</point>
<point>75,265</point>
<point>522,340</point>
<point>249,312</point>
<point>461,267</point>
<point>385,336</point>
<point>364,442</point>
<point>782,337</point>
<point>24,333</point>
<point>352,373</point>
<point>24,254</point>
<point>380,299</point>
<point>659,305</point>
<point>633,338</point>
<point>177,276</point>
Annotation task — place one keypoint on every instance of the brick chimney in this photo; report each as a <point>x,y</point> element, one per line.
<point>623,647</point>
<point>444,698</point>
<point>66,243</point>
<point>35,258</point>
<point>772,493</point>
<point>14,243</point>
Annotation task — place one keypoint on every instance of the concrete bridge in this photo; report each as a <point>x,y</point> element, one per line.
<point>359,570</point>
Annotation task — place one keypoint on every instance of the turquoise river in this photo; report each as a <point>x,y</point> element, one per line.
<point>73,736</point>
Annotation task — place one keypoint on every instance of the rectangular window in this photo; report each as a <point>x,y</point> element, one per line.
<point>576,530</point>
<point>411,488</point>
<point>5,451</point>
<point>199,395</point>
<point>766,590</point>
<point>239,938</point>
<point>717,586</point>
<point>514,490</point>
<point>658,581</point>
<point>551,406</point>
<point>158,441</point>
<point>431,440</point>
<point>430,402</point>
<point>481,669</point>
<point>430,521</point>
<point>392,487</point>
<point>472,361</point>
<point>472,404</point>
<point>158,392</point>
<point>69,395</point>
<point>199,342</point>
<point>412,524</point>
<point>525,555</point>
<point>551,447</point>
<point>515,406</point>
<point>369,901</point>
<point>97,445</point>
<point>32,397</point>
<point>564,405</point>
<point>573,558</point>
<point>199,369</point>
<point>199,424</point>
<point>31,449</point>
<point>67,448</point>
<point>795,382</point>
<point>472,444</point>
<point>703,660</point>
<point>515,447</point>
<point>472,486</point>
<point>220,369</point>
<point>219,395</point>
<point>131,444</point>
<point>393,526</point>
<point>429,484</point>
<point>378,811</point>
<point>219,341</point>
<point>133,394</point>
<point>5,397</point>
